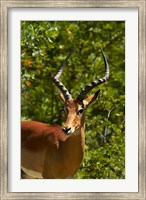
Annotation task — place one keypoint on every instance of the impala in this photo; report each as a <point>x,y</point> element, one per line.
<point>54,151</point>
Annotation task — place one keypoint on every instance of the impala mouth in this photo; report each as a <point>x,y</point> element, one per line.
<point>69,131</point>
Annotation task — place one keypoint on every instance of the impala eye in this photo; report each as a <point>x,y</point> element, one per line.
<point>80,111</point>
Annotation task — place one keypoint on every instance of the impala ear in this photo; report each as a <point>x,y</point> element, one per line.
<point>91,99</point>
<point>62,97</point>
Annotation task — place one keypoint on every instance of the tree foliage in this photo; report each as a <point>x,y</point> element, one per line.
<point>44,46</point>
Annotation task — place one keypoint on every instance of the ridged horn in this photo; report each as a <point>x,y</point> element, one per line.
<point>95,83</point>
<point>58,83</point>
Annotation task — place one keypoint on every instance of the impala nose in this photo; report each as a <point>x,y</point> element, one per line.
<point>67,131</point>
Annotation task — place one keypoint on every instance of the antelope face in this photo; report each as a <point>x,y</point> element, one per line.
<point>75,111</point>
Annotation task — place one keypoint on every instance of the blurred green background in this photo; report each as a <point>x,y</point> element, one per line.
<point>44,46</point>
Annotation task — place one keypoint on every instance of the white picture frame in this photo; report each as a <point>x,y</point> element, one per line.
<point>140,192</point>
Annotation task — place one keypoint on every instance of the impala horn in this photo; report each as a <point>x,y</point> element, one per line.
<point>58,83</point>
<point>95,83</point>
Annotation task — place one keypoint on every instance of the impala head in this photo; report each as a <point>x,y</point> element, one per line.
<point>75,112</point>
<point>75,108</point>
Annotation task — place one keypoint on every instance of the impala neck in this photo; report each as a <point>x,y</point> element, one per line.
<point>80,134</point>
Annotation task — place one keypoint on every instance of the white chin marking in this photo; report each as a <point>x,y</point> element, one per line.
<point>71,131</point>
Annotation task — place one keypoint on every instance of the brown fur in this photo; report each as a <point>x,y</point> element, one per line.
<point>46,149</point>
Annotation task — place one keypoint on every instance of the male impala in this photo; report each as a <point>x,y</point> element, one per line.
<point>53,151</point>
